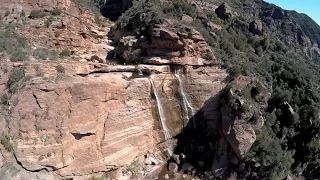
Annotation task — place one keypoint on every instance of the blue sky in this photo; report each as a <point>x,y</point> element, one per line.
<point>309,7</point>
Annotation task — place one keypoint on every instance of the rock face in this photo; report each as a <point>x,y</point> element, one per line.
<point>241,113</point>
<point>167,46</point>
<point>13,171</point>
<point>224,11</point>
<point>256,27</point>
<point>92,123</point>
<point>74,29</point>
<point>93,117</point>
<point>96,122</point>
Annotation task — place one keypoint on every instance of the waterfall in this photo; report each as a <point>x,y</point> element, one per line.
<point>140,73</point>
<point>187,109</point>
<point>161,116</point>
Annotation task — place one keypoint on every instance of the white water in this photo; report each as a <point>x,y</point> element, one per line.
<point>185,104</point>
<point>140,72</point>
<point>161,116</point>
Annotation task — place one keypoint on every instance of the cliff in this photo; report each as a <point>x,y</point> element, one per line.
<point>170,90</point>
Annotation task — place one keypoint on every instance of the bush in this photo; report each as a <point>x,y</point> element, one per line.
<point>234,71</point>
<point>255,91</point>
<point>7,13</point>
<point>60,68</point>
<point>17,75</point>
<point>5,99</point>
<point>134,168</point>
<point>36,14</point>
<point>14,45</point>
<point>56,12</point>
<point>271,118</point>
<point>19,55</point>
<point>65,53</point>
<point>179,8</point>
<point>274,162</point>
<point>5,141</point>
<point>45,54</point>
<point>48,22</point>
<point>57,33</point>
<point>132,56</point>
<point>22,14</point>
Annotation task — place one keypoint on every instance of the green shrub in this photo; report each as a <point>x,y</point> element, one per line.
<point>60,68</point>
<point>255,91</point>
<point>234,72</point>
<point>7,13</point>
<point>22,14</point>
<point>56,12</point>
<point>48,22</point>
<point>13,44</point>
<point>45,54</point>
<point>274,162</point>
<point>36,14</point>
<point>19,55</point>
<point>97,19</point>
<point>17,75</point>
<point>40,73</point>
<point>88,4</point>
<point>5,99</point>
<point>134,168</point>
<point>57,33</point>
<point>65,53</point>
<point>271,118</point>
<point>314,146</point>
<point>132,56</point>
<point>245,108</point>
<point>179,8</point>
<point>6,142</point>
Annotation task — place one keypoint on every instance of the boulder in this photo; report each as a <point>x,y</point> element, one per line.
<point>241,114</point>
<point>162,37</point>
<point>212,26</point>
<point>256,27</point>
<point>125,43</point>
<point>176,158</point>
<point>98,59</point>
<point>224,11</point>
<point>173,167</point>
<point>186,19</point>
<point>149,160</point>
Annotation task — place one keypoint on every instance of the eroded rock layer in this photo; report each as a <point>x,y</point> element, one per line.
<point>95,122</point>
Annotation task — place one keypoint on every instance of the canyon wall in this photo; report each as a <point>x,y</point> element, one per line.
<point>92,120</point>
<point>77,119</point>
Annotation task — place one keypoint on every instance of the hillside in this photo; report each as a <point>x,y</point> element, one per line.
<point>182,89</point>
<point>254,38</point>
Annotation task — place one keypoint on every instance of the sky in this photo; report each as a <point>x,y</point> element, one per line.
<point>309,7</point>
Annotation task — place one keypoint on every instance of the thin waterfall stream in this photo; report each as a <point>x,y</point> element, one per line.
<point>161,116</point>
<point>185,104</point>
